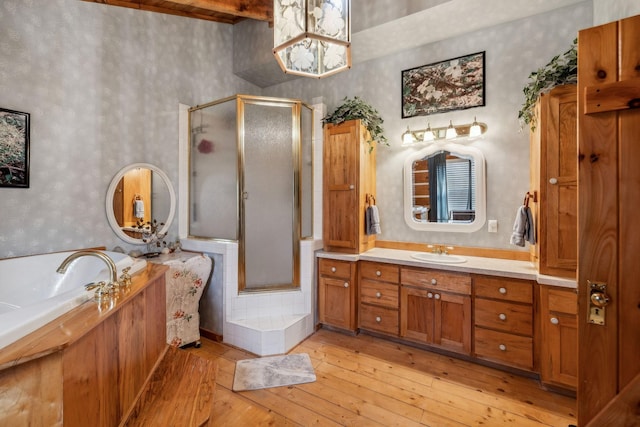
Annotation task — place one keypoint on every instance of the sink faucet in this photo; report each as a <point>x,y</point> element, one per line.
<point>440,249</point>
<point>113,272</point>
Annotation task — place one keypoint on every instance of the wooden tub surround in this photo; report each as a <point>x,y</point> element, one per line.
<point>90,366</point>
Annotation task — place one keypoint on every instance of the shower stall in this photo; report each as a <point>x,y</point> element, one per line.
<point>250,191</point>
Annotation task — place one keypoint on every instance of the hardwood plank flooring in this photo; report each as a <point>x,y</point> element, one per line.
<point>368,381</point>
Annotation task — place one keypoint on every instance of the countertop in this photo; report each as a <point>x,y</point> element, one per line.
<point>478,265</point>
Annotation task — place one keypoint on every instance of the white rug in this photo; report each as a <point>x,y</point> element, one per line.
<point>274,371</point>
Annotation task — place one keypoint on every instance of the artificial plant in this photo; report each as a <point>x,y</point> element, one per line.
<point>354,109</point>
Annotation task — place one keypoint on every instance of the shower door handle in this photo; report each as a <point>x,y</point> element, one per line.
<point>245,195</point>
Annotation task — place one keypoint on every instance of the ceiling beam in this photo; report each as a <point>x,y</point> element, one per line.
<point>261,10</point>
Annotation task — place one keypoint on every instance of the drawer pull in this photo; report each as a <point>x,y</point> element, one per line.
<point>378,295</point>
<point>429,295</point>
<point>502,290</point>
<point>346,284</point>
<point>554,321</point>
<point>378,273</point>
<point>434,282</point>
<point>437,296</point>
<point>502,316</point>
<point>502,347</point>
<point>333,269</point>
<point>378,319</point>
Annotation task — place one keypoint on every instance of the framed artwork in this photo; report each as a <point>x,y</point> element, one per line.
<point>14,149</point>
<point>454,84</point>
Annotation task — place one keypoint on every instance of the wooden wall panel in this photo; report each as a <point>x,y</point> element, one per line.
<point>597,222</point>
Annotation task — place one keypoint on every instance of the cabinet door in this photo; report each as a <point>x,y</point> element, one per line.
<point>335,302</point>
<point>559,328</point>
<point>340,187</point>
<point>416,314</point>
<point>452,317</point>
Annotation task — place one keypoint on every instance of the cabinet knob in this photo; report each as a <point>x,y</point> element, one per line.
<point>351,187</point>
<point>378,273</point>
<point>333,269</point>
<point>346,284</point>
<point>378,319</point>
<point>502,316</point>
<point>502,290</point>
<point>378,295</point>
<point>434,282</point>
<point>502,347</point>
<point>553,181</point>
<point>429,295</point>
<point>554,321</point>
<point>437,296</point>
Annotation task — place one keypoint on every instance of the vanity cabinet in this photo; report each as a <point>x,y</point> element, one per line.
<point>379,297</point>
<point>436,308</point>
<point>559,327</point>
<point>503,326</point>
<point>337,293</point>
<point>554,176</point>
<point>349,179</point>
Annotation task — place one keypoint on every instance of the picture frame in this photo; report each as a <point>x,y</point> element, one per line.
<point>454,84</point>
<point>14,148</point>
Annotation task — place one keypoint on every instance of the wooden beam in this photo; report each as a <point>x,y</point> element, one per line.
<point>614,96</point>
<point>261,10</point>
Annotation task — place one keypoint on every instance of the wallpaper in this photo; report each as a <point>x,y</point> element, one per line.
<point>102,85</point>
<point>513,51</point>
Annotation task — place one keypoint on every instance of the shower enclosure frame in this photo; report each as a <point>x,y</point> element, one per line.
<point>296,106</point>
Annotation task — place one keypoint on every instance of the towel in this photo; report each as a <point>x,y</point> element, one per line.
<point>523,228</point>
<point>138,209</point>
<point>375,220</point>
<point>368,212</point>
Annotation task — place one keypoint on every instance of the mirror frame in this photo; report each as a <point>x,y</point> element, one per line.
<point>481,190</point>
<point>109,200</point>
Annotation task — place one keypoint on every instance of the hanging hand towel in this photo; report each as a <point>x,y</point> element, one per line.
<point>375,220</point>
<point>138,209</point>
<point>368,212</point>
<point>523,228</point>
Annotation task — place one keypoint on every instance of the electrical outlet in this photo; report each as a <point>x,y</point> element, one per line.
<point>492,226</point>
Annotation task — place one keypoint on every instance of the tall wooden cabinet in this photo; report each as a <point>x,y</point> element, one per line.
<point>349,180</point>
<point>554,176</point>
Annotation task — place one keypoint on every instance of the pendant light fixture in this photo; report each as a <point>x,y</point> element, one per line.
<point>312,38</point>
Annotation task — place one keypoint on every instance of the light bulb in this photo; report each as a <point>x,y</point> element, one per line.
<point>451,131</point>
<point>428,134</point>
<point>475,129</point>
<point>407,137</point>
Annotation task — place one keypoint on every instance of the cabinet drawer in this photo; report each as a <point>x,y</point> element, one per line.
<point>379,319</point>
<point>503,288</point>
<point>378,271</point>
<point>504,316</point>
<point>504,348</point>
<point>334,268</point>
<point>378,293</point>
<point>435,279</point>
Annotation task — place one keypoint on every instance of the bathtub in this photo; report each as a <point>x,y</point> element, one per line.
<point>32,293</point>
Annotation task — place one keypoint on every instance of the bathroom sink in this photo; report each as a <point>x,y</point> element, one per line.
<point>439,258</point>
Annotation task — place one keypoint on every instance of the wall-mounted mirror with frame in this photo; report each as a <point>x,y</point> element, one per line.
<point>445,188</point>
<point>139,193</point>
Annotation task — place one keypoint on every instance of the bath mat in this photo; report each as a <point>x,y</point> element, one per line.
<point>274,371</point>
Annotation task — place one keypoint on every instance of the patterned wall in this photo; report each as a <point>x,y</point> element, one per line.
<point>102,85</point>
<point>513,50</point>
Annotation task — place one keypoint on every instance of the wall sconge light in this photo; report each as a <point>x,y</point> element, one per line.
<point>312,38</point>
<point>451,132</point>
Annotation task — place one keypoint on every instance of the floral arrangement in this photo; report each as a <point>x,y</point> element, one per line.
<point>151,233</point>
<point>356,108</point>
<point>561,70</point>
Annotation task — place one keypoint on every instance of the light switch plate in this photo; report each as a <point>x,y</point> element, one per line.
<point>492,226</point>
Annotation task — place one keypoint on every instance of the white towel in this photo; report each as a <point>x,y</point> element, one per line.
<point>523,228</point>
<point>138,209</point>
<point>375,220</point>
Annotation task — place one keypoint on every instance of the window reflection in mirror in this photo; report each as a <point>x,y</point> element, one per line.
<point>444,188</point>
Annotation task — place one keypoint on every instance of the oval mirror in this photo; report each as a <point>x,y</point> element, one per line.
<point>444,188</point>
<point>139,193</point>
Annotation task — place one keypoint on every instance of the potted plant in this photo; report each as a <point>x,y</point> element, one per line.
<point>561,70</point>
<point>358,109</point>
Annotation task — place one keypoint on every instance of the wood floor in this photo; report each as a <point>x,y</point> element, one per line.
<point>366,381</point>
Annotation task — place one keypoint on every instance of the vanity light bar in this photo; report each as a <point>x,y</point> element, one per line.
<point>450,132</point>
